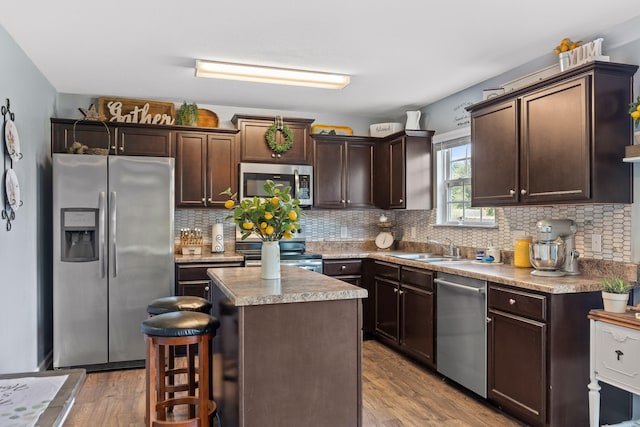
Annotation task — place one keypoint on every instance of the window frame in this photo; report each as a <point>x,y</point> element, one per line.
<point>442,162</point>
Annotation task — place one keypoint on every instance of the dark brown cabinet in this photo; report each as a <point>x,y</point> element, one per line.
<point>192,278</point>
<point>351,271</point>
<point>254,146</point>
<point>538,354</point>
<point>206,165</point>
<point>403,171</point>
<point>343,172</point>
<point>560,140</point>
<point>120,138</point>
<point>405,309</point>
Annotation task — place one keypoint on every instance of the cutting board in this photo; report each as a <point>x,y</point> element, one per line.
<point>207,118</point>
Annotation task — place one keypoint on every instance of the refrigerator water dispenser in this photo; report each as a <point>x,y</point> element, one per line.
<point>79,232</point>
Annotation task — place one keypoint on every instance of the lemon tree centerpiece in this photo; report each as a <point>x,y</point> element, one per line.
<point>271,218</point>
<point>634,112</point>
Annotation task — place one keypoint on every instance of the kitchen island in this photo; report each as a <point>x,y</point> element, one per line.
<point>292,348</point>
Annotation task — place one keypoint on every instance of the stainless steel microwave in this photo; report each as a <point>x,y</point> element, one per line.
<point>298,177</point>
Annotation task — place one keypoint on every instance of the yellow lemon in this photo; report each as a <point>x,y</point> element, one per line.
<point>292,215</point>
<point>263,225</point>
<point>638,108</point>
<point>247,225</point>
<point>275,201</point>
<point>287,235</point>
<point>635,115</point>
<point>229,204</point>
<point>268,216</point>
<point>269,229</point>
<point>292,227</point>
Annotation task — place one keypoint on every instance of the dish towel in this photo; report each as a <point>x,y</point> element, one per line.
<point>23,400</point>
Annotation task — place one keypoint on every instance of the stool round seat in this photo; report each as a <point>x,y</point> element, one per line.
<point>178,303</point>
<point>179,324</point>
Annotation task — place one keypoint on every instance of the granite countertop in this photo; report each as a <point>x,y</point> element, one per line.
<point>505,274</point>
<point>208,256</point>
<point>244,287</point>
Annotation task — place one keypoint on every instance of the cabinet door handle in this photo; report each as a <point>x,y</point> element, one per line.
<point>523,191</point>
<point>401,200</point>
<point>342,201</point>
<point>619,353</point>
<point>278,155</point>
<point>401,292</point>
<point>395,290</point>
<point>204,201</point>
<point>206,288</point>
<point>273,155</point>
<point>512,301</point>
<point>512,192</point>
<point>210,200</point>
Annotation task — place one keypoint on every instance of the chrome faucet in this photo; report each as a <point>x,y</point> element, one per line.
<point>454,251</point>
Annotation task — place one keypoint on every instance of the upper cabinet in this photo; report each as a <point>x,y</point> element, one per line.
<point>560,140</point>
<point>404,171</point>
<point>206,165</point>
<point>254,146</point>
<point>343,171</point>
<point>120,138</point>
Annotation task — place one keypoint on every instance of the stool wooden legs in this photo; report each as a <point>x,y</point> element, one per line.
<point>158,401</point>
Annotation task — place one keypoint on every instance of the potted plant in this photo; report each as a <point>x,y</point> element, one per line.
<point>615,294</point>
<point>634,112</point>
<point>274,217</point>
<point>187,114</point>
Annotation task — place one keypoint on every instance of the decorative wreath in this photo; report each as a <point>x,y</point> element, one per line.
<point>270,135</point>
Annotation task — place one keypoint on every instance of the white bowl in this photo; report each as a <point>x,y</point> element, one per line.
<point>384,129</point>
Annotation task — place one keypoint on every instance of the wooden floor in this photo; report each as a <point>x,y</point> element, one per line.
<point>396,393</point>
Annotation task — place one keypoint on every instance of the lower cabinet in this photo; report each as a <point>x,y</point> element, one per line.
<point>192,279</point>
<point>404,309</point>
<point>538,354</point>
<point>353,270</point>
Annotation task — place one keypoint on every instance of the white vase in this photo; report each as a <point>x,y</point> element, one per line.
<point>413,120</point>
<point>270,260</point>
<point>615,303</point>
<point>636,135</point>
<point>563,58</point>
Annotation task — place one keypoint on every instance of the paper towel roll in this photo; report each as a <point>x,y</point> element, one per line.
<point>217,238</point>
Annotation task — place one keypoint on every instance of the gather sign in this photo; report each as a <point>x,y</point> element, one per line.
<point>127,110</point>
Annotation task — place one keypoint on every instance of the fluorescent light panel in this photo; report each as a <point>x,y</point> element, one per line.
<point>255,73</point>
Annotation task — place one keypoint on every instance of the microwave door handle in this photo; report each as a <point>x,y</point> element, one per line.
<point>101,233</point>
<point>296,180</point>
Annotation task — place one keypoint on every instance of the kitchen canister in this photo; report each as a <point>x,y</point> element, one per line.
<point>217,238</point>
<point>521,253</point>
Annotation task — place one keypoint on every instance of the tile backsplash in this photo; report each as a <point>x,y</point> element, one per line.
<point>612,222</point>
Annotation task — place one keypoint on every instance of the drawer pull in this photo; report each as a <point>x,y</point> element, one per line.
<point>512,301</point>
<point>342,267</point>
<point>619,353</point>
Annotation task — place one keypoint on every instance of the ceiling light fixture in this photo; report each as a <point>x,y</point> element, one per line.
<point>256,73</point>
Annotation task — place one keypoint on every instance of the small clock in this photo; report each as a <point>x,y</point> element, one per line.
<point>384,240</point>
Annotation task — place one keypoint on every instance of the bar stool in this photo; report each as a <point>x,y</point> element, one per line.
<point>195,330</point>
<point>169,305</point>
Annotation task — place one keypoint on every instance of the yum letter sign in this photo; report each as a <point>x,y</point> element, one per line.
<point>137,111</point>
<point>587,52</point>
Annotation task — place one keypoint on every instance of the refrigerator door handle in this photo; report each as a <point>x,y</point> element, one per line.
<point>112,208</point>
<point>102,230</point>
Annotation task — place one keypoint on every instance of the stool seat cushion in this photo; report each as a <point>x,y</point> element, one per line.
<point>179,324</point>
<point>178,303</point>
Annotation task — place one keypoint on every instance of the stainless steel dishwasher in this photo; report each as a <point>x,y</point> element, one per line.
<point>461,331</point>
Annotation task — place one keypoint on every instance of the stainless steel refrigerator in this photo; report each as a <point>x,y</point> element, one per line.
<point>113,248</point>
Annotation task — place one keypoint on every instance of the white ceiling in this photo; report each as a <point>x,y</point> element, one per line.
<point>401,55</point>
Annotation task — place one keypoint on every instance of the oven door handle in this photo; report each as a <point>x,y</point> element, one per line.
<point>459,286</point>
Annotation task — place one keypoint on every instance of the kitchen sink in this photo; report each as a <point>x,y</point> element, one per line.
<point>427,257</point>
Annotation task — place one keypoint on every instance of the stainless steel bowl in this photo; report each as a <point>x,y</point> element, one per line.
<point>547,255</point>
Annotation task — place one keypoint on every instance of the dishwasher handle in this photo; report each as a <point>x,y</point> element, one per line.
<point>459,286</point>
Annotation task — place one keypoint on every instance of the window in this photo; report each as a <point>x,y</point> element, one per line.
<point>453,170</point>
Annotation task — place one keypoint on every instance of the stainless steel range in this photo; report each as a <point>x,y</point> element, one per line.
<point>292,252</point>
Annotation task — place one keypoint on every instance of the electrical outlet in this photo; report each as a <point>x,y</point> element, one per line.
<point>344,232</point>
<point>412,232</point>
<point>596,243</point>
